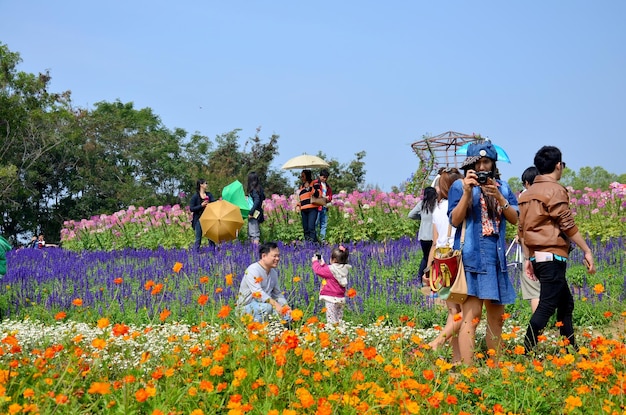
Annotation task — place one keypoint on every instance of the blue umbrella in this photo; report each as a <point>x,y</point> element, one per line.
<point>502,156</point>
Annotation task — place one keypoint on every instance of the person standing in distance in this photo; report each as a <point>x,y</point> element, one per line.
<point>546,230</point>
<point>423,212</point>
<point>198,202</point>
<point>322,211</point>
<point>529,284</point>
<point>306,208</point>
<point>255,216</point>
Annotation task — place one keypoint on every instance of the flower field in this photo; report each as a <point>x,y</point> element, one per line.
<point>126,320</point>
<point>358,216</point>
<point>155,332</point>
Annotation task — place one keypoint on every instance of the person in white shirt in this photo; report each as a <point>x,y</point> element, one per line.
<point>259,293</point>
<point>443,235</point>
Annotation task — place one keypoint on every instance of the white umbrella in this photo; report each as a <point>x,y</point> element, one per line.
<point>305,161</point>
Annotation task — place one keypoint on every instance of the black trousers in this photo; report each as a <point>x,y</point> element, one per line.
<point>309,216</point>
<point>426,245</point>
<point>555,296</point>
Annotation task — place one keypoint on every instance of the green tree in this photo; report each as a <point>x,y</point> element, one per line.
<point>34,124</point>
<point>592,177</point>
<point>227,163</point>
<point>127,157</point>
<point>347,177</point>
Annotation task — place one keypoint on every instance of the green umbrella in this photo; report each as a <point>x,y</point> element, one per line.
<point>5,247</point>
<point>234,194</point>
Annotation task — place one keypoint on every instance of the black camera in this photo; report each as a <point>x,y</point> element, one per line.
<point>483,176</point>
<point>318,256</point>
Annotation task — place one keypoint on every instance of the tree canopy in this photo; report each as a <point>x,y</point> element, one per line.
<point>59,162</point>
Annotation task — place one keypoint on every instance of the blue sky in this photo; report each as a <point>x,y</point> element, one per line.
<point>348,76</point>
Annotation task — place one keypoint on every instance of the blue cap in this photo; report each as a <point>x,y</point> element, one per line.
<point>476,151</point>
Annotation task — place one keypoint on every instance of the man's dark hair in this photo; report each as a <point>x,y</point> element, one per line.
<point>266,247</point>
<point>324,172</point>
<point>547,158</point>
<point>529,175</point>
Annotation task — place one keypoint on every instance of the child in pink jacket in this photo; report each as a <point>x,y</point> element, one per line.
<point>334,281</point>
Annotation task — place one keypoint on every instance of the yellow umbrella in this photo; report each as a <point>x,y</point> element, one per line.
<point>304,161</point>
<point>221,221</point>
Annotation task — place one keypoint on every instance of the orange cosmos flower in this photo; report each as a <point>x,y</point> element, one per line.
<point>428,374</point>
<point>224,311</point>
<point>120,329</point>
<point>149,284</point>
<point>559,324</point>
<point>457,317</point>
<point>77,302</point>
<point>206,386</point>
<point>61,399</point>
<point>256,295</point>
<point>598,289</point>
<point>273,389</point>
<point>608,314</point>
<point>290,339</point>
<point>296,314</point>
<point>240,374</point>
<point>229,279</point>
<point>204,279</point>
<point>202,300</point>
<point>60,315</point>
<point>157,289</point>
<point>164,314</point>
<point>118,281</point>
<point>296,279</point>
<point>258,280</point>
<point>99,344</point>
<point>218,290</point>
<point>102,388</point>
<point>177,267</point>
<point>103,322</point>
<point>351,293</point>
<point>572,402</point>
<point>370,353</point>
<point>141,395</point>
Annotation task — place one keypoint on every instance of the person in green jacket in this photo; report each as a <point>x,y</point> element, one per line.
<point>5,247</point>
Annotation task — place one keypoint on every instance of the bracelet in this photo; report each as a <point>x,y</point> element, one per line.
<point>506,206</point>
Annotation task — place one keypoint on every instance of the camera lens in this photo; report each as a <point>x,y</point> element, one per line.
<point>482,177</point>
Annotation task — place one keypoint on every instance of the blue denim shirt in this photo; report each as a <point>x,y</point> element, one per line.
<point>472,249</point>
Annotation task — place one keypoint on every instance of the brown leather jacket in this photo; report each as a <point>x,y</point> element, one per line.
<point>546,222</point>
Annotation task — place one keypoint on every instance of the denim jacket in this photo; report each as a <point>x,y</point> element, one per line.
<point>472,254</point>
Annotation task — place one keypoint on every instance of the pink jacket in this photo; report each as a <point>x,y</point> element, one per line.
<point>336,277</point>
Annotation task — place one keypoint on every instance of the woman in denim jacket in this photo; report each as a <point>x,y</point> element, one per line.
<point>485,204</point>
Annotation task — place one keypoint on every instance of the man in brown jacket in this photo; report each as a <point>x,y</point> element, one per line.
<point>546,229</point>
